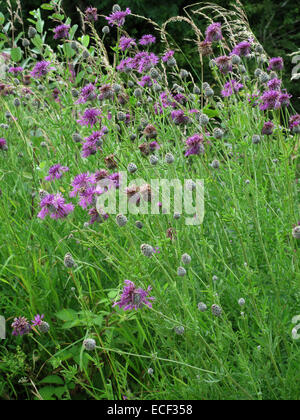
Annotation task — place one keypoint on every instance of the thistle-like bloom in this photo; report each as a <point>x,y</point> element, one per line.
<point>126,43</point>
<point>93,143</point>
<point>167,55</point>
<point>179,117</point>
<point>268,128</point>
<point>20,326</point>
<point>133,298</point>
<point>56,172</point>
<point>118,18</point>
<point>61,31</point>
<point>90,117</point>
<point>214,32</point>
<point>294,123</point>
<point>91,14</point>
<point>224,64</point>
<point>41,69</point>
<point>205,48</point>
<point>38,320</point>
<point>87,93</point>
<point>231,87</point>
<point>81,182</point>
<point>276,64</point>
<point>242,49</point>
<point>270,100</point>
<point>143,61</point>
<point>147,39</point>
<point>3,144</point>
<point>146,81</point>
<point>55,206</point>
<point>274,84</point>
<point>15,70</point>
<point>194,145</point>
<point>284,99</point>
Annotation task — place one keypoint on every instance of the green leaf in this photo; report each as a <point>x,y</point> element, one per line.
<point>2,18</point>
<point>52,379</point>
<point>16,54</point>
<point>85,40</point>
<point>47,6</point>
<point>67,315</point>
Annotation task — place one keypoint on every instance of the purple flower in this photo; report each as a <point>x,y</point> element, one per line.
<point>125,65</point>
<point>133,298</point>
<point>294,122</point>
<point>55,206</point>
<point>97,217</point>
<point>242,49</point>
<point>61,31</point>
<point>90,117</point>
<point>38,320</point>
<point>195,145</point>
<point>231,87</point>
<point>214,32</point>
<point>126,43</point>
<point>276,63</point>
<point>284,99</point>
<point>91,14</point>
<point>147,39</point>
<point>93,143</point>
<point>20,326</point>
<point>146,81</point>
<point>154,146</point>
<point>81,182</point>
<point>224,64</point>
<point>274,84</point>
<point>118,18</point>
<point>268,128</point>
<point>179,118</point>
<point>143,61</point>
<point>41,69</point>
<point>15,70</point>
<point>167,55</point>
<point>56,172</point>
<point>270,100</point>
<point>3,144</point>
<point>87,93</point>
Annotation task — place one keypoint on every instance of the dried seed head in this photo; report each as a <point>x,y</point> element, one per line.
<point>110,162</point>
<point>216,310</point>
<point>235,59</point>
<point>147,250</point>
<point>121,220</point>
<point>89,344</point>
<point>186,259</point>
<point>183,74</point>
<point>69,261</point>
<point>153,160</point>
<point>150,131</point>
<point>202,307</point>
<point>138,93</point>
<point>208,92</point>
<point>32,32</point>
<point>181,271</point>
<point>218,133</point>
<point>196,90</point>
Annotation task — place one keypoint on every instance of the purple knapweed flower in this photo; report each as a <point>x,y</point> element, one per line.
<point>167,55</point>
<point>294,123</point>
<point>93,143</point>
<point>126,64</point>
<point>55,206</point>
<point>38,320</point>
<point>133,298</point>
<point>214,32</point>
<point>118,18</point>
<point>61,31</point>
<point>15,70</point>
<point>20,326</point>
<point>81,182</point>
<point>274,84</point>
<point>91,14</point>
<point>231,87</point>
<point>90,117</point>
<point>126,43</point>
<point>96,216</point>
<point>270,100</point>
<point>87,93</point>
<point>179,117</point>
<point>242,49</point>
<point>268,128</point>
<point>147,39</point>
<point>224,64</point>
<point>146,81</point>
<point>41,69</point>
<point>284,99</point>
<point>56,172</point>
<point>3,144</point>
<point>276,64</point>
<point>194,145</point>
<point>143,61</point>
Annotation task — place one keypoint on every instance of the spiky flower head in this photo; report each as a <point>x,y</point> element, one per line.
<point>132,168</point>
<point>153,160</point>
<point>213,32</point>
<point>268,128</point>
<point>61,31</point>
<point>134,298</point>
<point>169,158</point>
<point>20,326</point>
<point>276,63</point>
